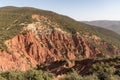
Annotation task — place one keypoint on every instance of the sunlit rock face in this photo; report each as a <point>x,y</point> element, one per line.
<point>40,43</point>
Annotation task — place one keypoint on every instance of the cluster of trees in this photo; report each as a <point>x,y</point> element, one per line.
<point>41,75</point>
<point>28,75</point>
<point>102,69</point>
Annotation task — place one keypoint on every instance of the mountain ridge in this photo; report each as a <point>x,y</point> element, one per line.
<point>108,24</point>
<point>33,38</point>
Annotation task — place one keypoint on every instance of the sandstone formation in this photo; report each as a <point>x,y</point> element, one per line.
<point>40,44</point>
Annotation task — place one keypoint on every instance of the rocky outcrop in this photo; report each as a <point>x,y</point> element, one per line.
<point>29,49</point>
<point>26,51</point>
<point>13,61</point>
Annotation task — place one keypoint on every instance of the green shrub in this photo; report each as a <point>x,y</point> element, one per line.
<point>28,75</point>
<point>75,76</point>
<point>72,76</point>
<point>13,75</point>
<point>38,75</point>
<point>117,72</point>
<point>2,78</point>
<point>90,77</point>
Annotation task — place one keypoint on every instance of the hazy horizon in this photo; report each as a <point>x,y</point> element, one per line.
<point>81,10</point>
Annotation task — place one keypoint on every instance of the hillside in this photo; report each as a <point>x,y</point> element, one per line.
<point>44,40</point>
<point>111,25</point>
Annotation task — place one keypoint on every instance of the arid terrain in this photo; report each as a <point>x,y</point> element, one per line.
<point>43,42</point>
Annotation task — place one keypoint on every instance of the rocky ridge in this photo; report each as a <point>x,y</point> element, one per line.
<point>44,42</point>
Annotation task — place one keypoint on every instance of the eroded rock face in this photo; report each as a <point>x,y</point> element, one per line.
<point>33,48</point>
<point>26,51</point>
<point>13,61</point>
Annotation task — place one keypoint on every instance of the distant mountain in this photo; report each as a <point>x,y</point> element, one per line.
<point>111,25</point>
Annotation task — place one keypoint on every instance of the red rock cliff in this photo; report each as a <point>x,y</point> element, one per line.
<point>26,51</point>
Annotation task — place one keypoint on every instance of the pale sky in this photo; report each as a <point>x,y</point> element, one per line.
<point>77,9</point>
